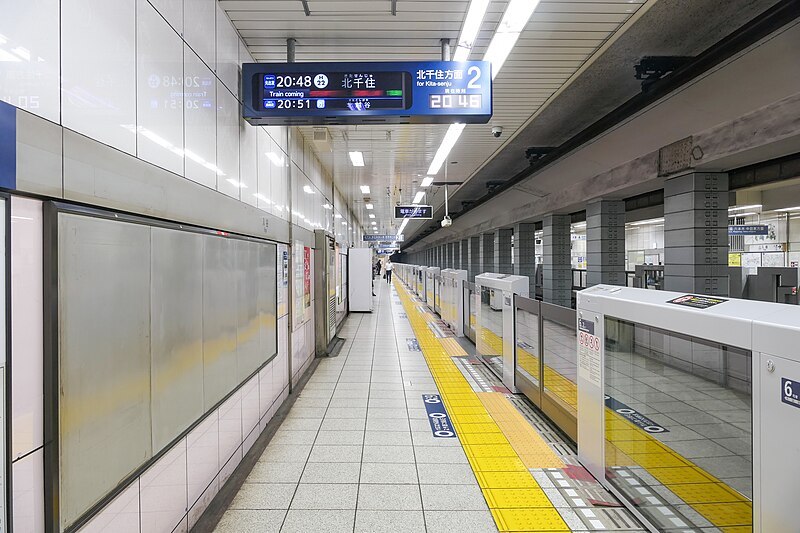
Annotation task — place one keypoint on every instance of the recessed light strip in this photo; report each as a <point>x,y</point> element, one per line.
<point>357,158</point>
<point>470,29</point>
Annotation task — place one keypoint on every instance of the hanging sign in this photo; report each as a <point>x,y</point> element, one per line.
<point>383,238</point>
<point>430,92</point>
<point>424,212</point>
<point>756,229</point>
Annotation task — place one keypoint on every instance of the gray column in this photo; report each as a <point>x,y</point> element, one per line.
<point>556,265</point>
<point>605,242</point>
<point>464,257</point>
<point>487,263</point>
<point>474,257</point>
<point>696,233</point>
<point>451,254</point>
<point>456,262</point>
<point>525,254</point>
<point>502,251</point>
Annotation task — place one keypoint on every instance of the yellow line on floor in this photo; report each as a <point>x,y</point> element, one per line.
<point>525,440</point>
<point>515,499</point>
<point>629,445</point>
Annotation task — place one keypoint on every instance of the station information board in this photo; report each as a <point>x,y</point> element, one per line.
<point>413,211</point>
<point>353,93</point>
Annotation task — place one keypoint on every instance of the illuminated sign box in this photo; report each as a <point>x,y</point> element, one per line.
<point>383,238</point>
<point>413,211</point>
<point>356,93</point>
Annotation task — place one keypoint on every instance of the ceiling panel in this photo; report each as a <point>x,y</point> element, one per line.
<point>560,37</point>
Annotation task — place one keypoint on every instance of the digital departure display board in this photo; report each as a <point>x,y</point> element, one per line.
<point>354,93</point>
<point>413,211</point>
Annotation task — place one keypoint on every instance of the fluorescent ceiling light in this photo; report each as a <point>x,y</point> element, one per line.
<point>508,31</point>
<point>402,227</point>
<point>746,214</point>
<point>746,207</point>
<point>369,206</point>
<point>337,215</point>
<point>262,197</point>
<point>470,29</point>
<point>307,189</point>
<point>418,198</point>
<point>426,182</point>
<point>365,189</point>
<point>236,183</point>
<point>786,209</point>
<point>516,16</point>
<point>579,225</point>
<point>374,223</point>
<point>327,206</point>
<point>357,158</point>
<point>450,140</point>
<point>371,215</point>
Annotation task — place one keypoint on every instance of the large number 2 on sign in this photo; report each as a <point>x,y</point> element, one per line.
<point>475,72</point>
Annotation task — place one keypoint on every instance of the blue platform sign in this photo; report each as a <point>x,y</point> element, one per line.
<point>374,237</point>
<point>437,416</point>
<point>754,229</point>
<point>354,93</point>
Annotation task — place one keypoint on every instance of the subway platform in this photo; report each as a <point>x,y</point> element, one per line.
<point>404,432</point>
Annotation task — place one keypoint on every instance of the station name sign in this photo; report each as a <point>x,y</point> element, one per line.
<point>413,211</point>
<point>755,229</point>
<point>383,238</point>
<point>427,92</point>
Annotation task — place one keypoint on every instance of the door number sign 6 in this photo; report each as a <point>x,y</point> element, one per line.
<point>790,392</point>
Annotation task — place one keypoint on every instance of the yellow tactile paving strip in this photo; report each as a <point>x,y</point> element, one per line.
<point>629,445</point>
<point>515,499</point>
<point>530,447</point>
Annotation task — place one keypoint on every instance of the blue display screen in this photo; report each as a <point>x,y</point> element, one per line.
<point>413,211</point>
<point>352,93</point>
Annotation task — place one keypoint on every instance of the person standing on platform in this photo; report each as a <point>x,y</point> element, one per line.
<point>388,269</point>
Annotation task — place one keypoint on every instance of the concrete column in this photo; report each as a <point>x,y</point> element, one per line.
<point>456,262</point>
<point>502,251</point>
<point>556,266</point>
<point>696,233</point>
<point>525,254</point>
<point>605,242</point>
<point>487,253</point>
<point>451,254</point>
<point>464,257</point>
<point>474,257</point>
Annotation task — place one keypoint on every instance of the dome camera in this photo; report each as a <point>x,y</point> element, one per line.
<point>447,222</point>
<point>497,131</point>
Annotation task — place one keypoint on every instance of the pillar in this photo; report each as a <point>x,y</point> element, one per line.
<point>502,251</point>
<point>487,253</point>
<point>605,242</point>
<point>556,262</point>
<point>525,254</point>
<point>696,233</point>
<point>474,257</point>
<point>456,262</point>
<point>464,260</point>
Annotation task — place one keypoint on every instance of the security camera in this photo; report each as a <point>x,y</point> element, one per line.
<point>497,131</point>
<point>447,222</point>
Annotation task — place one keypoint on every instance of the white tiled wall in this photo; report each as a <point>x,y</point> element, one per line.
<point>159,79</point>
